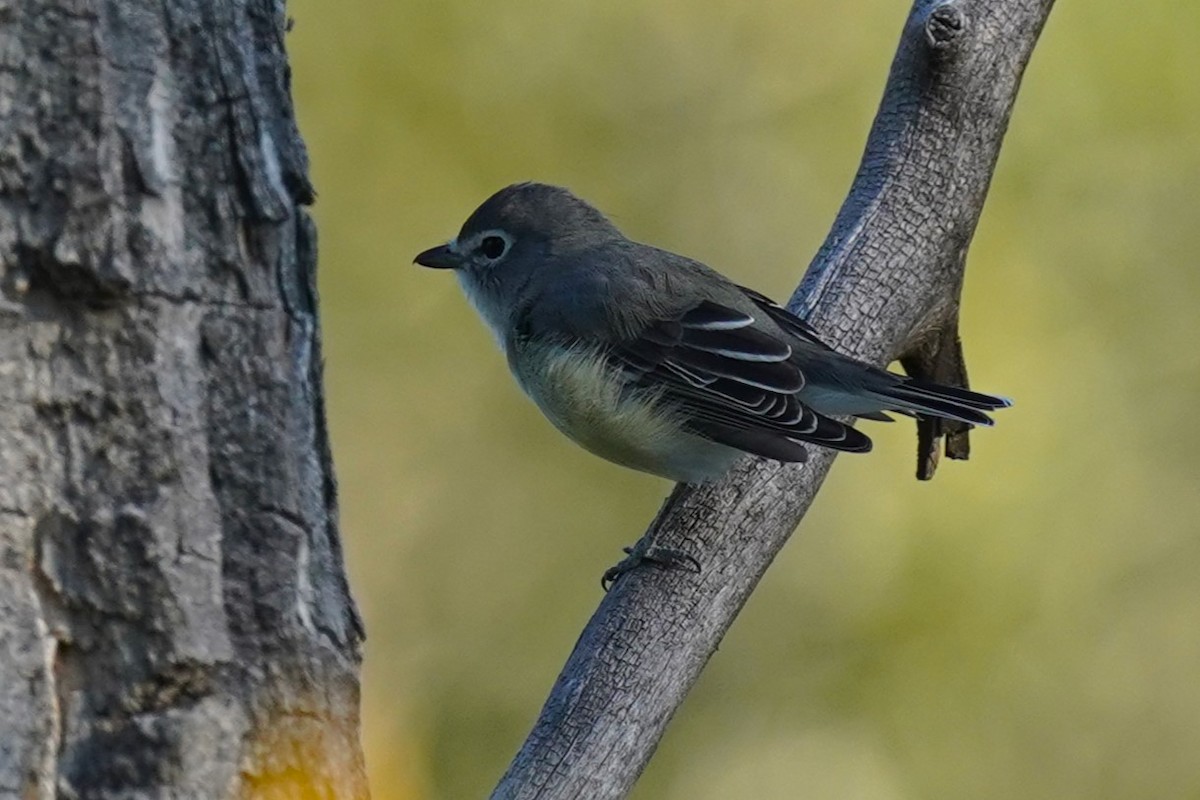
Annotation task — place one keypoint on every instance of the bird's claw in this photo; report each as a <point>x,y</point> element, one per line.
<point>639,555</point>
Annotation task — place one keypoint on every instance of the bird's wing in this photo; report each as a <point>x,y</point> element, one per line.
<point>735,381</point>
<point>785,319</point>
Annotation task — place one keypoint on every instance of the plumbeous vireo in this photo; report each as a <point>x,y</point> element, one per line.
<point>655,361</point>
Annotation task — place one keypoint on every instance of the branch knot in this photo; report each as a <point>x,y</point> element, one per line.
<point>945,26</point>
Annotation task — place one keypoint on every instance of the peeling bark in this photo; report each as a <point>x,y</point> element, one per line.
<point>174,615</point>
<point>885,285</point>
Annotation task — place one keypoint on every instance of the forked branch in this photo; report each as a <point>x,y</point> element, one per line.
<point>885,285</point>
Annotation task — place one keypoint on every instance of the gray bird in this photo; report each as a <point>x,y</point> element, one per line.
<point>655,361</point>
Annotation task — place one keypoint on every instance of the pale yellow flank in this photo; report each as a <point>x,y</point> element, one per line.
<point>584,398</point>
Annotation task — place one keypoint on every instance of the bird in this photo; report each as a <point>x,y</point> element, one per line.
<point>657,362</point>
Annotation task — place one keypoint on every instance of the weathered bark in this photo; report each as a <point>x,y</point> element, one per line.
<point>174,617</point>
<point>885,285</point>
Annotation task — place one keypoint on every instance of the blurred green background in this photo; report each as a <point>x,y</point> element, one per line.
<point>1025,626</point>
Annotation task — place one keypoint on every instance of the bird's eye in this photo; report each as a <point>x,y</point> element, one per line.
<point>492,247</point>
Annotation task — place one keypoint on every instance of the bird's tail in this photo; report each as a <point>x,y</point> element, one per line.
<point>912,396</point>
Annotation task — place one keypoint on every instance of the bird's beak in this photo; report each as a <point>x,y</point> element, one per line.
<point>440,257</point>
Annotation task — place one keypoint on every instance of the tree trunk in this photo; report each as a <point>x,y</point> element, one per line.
<point>885,285</point>
<point>174,615</point>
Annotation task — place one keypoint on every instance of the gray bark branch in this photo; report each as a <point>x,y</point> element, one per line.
<point>174,616</point>
<point>884,285</point>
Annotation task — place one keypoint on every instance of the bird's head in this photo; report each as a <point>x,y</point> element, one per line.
<point>520,231</point>
<point>522,224</point>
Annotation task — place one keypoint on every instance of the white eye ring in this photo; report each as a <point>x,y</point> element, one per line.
<point>493,245</point>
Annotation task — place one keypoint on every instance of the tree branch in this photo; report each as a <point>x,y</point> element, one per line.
<point>885,285</point>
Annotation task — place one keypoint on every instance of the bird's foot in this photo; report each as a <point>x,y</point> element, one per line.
<point>644,553</point>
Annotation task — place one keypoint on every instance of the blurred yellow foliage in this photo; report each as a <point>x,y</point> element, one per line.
<point>1025,626</point>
